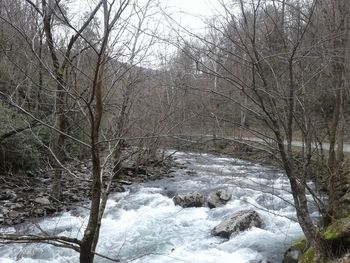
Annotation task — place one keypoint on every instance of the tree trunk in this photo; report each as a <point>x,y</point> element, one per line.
<point>117,155</point>
<point>87,243</point>
<point>335,120</point>
<point>60,144</point>
<point>60,95</point>
<point>243,114</point>
<point>340,145</point>
<point>297,183</point>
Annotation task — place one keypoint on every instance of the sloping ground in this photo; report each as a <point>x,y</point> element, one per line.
<point>27,196</point>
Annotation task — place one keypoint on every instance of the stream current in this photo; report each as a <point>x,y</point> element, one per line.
<point>143,225</point>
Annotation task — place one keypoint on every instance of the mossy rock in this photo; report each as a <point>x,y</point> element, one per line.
<point>309,256</point>
<point>338,229</point>
<point>345,198</point>
<point>293,254</point>
<point>300,245</point>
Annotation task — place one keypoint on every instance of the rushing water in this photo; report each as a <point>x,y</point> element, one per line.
<point>143,224</point>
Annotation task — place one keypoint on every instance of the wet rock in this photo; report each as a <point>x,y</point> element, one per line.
<point>42,201</point>
<point>39,212</point>
<point>13,214</point>
<point>191,172</point>
<point>294,253</point>
<point>118,188</point>
<point>17,206</point>
<point>27,189</point>
<point>75,197</point>
<point>169,193</point>
<point>8,194</point>
<point>125,182</point>
<point>194,199</point>
<point>32,253</point>
<point>154,177</point>
<point>292,256</point>
<point>2,219</point>
<point>4,210</point>
<point>18,220</point>
<point>49,209</point>
<point>8,222</point>
<point>238,222</point>
<point>218,198</point>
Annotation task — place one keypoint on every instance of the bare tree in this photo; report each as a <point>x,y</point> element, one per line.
<point>267,53</point>
<point>89,100</point>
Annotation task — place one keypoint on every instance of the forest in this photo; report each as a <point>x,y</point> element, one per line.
<point>102,101</point>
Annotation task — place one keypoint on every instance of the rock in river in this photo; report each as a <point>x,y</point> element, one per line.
<point>8,194</point>
<point>239,221</point>
<point>218,198</point>
<point>194,199</point>
<point>42,201</point>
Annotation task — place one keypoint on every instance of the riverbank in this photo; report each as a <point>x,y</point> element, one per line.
<point>204,171</point>
<point>257,153</point>
<point>26,196</point>
<point>234,149</point>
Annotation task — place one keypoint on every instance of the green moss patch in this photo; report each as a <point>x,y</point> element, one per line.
<point>338,229</point>
<point>309,256</point>
<point>300,245</point>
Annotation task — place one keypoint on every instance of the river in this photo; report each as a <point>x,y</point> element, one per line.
<point>143,225</point>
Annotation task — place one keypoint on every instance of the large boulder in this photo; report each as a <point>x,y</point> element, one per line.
<point>218,198</point>
<point>338,229</point>
<point>8,194</point>
<point>238,222</point>
<point>193,199</point>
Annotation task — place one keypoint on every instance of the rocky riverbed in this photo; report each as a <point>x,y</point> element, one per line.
<point>143,224</point>
<point>27,196</point>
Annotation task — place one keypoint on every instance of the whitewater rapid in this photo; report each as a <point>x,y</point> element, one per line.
<point>143,225</point>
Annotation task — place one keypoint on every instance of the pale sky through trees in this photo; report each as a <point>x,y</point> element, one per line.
<point>189,11</point>
<point>181,14</point>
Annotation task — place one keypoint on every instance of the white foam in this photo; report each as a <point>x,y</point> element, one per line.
<point>144,225</point>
